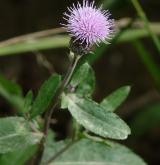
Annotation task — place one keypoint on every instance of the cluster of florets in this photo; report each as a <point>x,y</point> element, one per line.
<point>88,25</point>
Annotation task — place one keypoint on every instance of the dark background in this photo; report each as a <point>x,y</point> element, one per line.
<point>120,65</point>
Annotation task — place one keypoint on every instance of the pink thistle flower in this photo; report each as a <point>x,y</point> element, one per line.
<point>88,24</point>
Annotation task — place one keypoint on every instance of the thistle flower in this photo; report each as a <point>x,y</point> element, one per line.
<point>87,25</point>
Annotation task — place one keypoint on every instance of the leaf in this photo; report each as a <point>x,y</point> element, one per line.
<point>87,152</point>
<point>10,86</point>
<point>45,95</point>
<point>12,93</point>
<point>15,134</point>
<point>83,80</point>
<point>17,157</point>
<point>115,99</point>
<point>50,150</point>
<point>28,102</point>
<point>96,119</point>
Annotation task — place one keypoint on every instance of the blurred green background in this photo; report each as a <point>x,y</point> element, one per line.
<point>133,59</point>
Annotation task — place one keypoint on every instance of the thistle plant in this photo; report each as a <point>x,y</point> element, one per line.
<point>93,123</point>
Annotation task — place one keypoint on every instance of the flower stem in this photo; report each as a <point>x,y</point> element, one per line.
<point>60,91</point>
<point>55,102</point>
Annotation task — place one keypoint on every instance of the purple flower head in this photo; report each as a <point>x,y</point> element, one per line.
<point>88,24</point>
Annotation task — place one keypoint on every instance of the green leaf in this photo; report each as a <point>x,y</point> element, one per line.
<point>12,93</point>
<point>87,152</point>
<point>15,134</point>
<point>83,80</point>
<point>10,86</point>
<point>45,95</point>
<point>17,157</point>
<point>28,102</point>
<point>95,118</point>
<point>115,99</point>
<point>50,150</point>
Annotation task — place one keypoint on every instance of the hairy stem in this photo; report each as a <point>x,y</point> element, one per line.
<point>55,102</point>
<point>59,92</point>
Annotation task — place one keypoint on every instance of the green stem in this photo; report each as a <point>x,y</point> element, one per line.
<point>70,71</point>
<point>56,99</point>
<point>60,91</point>
<point>142,15</point>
